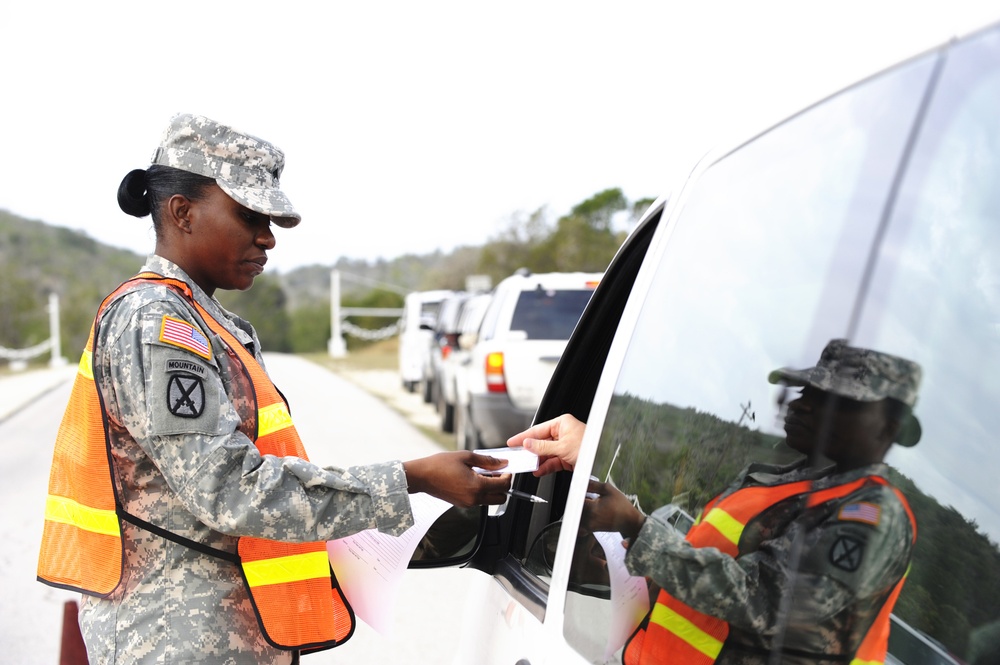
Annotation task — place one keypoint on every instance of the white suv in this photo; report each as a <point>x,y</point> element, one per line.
<point>523,334</point>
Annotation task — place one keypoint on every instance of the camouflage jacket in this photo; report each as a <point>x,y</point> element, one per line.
<point>202,479</point>
<point>807,580</point>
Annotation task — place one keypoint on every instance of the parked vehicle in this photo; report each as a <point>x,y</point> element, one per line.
<point>444,342</point>
<point>420,312</point>
<point>872,216</point>
<point>523,334</point>
<point>454,365</point>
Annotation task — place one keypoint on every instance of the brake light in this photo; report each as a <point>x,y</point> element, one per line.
<point>495,382</point>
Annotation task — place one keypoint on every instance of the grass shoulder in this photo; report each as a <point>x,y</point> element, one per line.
<point>375,369</point>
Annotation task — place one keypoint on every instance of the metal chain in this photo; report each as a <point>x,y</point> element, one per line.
<point>26,354</point>
<point>370,335</point>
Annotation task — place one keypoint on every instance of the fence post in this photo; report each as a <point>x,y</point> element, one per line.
<point>56,358</point>
<point>337,348</point>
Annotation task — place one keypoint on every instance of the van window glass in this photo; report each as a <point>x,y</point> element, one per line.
<point>762,269</point>
<point>429,311</point>
<point>549,313</point>
<point>935,297</point>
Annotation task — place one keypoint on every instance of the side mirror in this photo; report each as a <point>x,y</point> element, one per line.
<point>452,539</point>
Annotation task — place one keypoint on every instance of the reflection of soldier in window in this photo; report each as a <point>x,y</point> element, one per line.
<point>792,563</point>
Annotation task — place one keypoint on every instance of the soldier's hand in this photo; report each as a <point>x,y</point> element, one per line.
<point>449,476</point>
<point>607,509</point>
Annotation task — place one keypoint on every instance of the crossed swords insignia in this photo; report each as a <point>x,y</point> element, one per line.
<point>185,396</point>
<point>847,553</point>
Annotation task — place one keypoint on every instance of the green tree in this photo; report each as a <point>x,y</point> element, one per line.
<point>584,239</point>
<point>513,247</point>
<point>23,314</point>
<point>310,328</point>
<point>639,207</point>
<point>599,209</point>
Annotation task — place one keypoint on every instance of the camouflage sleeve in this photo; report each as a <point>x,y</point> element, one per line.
<point>176,400</point>
<point>842,560</point>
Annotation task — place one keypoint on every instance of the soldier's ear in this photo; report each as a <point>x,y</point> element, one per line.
<point>178,213</point>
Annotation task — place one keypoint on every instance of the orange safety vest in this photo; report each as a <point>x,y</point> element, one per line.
<point>675,633</point>
<point>291,585</point>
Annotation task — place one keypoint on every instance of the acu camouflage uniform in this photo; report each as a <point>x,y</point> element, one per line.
<point>183,465</point>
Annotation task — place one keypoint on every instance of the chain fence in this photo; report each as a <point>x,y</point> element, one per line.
<point>18,358</point>
<point>22,355</point>
<point>370,335</point>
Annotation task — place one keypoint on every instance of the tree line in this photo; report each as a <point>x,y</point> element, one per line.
<point>291,311</point>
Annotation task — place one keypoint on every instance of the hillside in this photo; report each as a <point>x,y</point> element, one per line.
<point>37,259</point>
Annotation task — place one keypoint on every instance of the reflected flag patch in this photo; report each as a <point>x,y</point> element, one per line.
<point>863,511</point>
<point>182,334</point>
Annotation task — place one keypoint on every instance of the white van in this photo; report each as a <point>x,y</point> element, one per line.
<point>420,312</point>
<point>872,216</point>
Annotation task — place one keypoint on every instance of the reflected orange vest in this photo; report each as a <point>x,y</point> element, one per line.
<point>675,633</point>
<point>291,585</point>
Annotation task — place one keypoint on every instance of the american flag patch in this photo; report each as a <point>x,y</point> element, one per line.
<point>867,513</point>
<point>184,335</point>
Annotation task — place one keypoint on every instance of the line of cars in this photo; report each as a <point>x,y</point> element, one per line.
<point>485,359</point>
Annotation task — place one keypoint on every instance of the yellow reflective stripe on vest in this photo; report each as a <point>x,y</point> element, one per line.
<point>726,524</point>
<point>685,630</point>
<point>86,368</point>
<point>858,661</point>
<point>67,511</point>
<point>272,418</point>
<point>294,568</point>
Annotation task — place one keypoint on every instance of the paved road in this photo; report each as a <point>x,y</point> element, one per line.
<point>341,424</point>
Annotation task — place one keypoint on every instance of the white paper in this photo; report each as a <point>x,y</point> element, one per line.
<point>519,460</point>
<point>629,594</point>
<point>370,565</point>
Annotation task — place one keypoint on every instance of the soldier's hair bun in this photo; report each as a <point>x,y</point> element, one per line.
<point>133,197</point>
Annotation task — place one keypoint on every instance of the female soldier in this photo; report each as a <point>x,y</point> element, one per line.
<point>180,498</point>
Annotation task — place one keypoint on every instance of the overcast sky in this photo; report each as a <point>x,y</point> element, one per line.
<point>415,126</point>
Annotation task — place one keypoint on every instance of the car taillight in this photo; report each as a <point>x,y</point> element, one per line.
<point>495,382</point>
<point>445,352</point>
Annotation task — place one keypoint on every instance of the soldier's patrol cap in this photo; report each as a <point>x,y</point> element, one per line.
<point>863,375</point>
<point>247,168</point>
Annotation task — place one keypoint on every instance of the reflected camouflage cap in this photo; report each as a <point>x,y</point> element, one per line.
<point>245,167</point>
<point>863,375</point>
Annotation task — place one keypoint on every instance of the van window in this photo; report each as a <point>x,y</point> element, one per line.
<point>935,297</point>
<point>761,270</point>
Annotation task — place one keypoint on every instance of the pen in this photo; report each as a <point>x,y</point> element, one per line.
<point>527,497</point>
